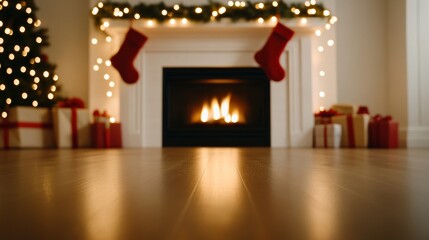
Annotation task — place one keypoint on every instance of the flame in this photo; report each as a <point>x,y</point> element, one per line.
<point>215,109</point>
<point>216,112</point>
<point>205,113</point>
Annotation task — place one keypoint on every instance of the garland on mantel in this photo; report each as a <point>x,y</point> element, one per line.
<point>212,11</point>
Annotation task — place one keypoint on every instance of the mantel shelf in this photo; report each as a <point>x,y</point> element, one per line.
<point>120,26</point>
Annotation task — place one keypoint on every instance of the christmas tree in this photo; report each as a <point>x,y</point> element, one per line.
<point>26,76</point>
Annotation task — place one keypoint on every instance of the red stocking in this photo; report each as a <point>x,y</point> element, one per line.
<point>269,56</point>
<point>123,60</point>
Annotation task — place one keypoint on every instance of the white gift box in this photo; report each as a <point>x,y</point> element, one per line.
<point>327,136</point>
<point>27,127</point>
<point>65,128</point>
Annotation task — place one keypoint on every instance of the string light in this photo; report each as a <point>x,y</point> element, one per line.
<point>18,6</point>
<point>313,2</point>
<point>32,72</point>
<point>99,60</point>
<point>109,39</point>
<point>328,26</point>
<point>326,13</point>
<point>322,94</point>
<point>8,101</point>
<point>176,7</point>
<point>34,87</point>
<point>230,3</point>
<point>108,63</point>
<point>164,12</point>
<point>24,95</point>
<point>184,21</point>
<point>304,20</point>
<point>35,103</point>
<point>9,71</point>
<point>5,3</point>
<point>307,3</point>
<point>4,114</point>
<point>96,68</point>
<point>95,11</point>
<point>331,43</point>
<point>172,21</point>
<point>111,84</point>
<point>23,69</point>
<point>322,73</point>
<point>100,5</point>
<point>275,4</point>
<point>274,19</point>
<point>50,96</point>
<point>318,33</point>
<point>94,41</point>
<point>55,78</point>
<point>260,20</point>
<point>260,6</point>
<point>53,88</point>
<point>198,10</point>
<point>37,59</point>
<point>2,87</point>
<point>106,76</point>
<point>28,10</point>
<point>39,40</point>
<point>321,49</point>
<point>222,10</point>
<point>46,74</point>
<point>16,82</point>
<point>36,79</point>
<point>109,94</point>
<point>11,56</point>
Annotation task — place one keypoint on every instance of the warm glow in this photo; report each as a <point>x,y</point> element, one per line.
<point>215,112</point>
<point>112,120</point>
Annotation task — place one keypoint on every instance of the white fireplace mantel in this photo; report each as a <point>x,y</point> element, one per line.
<point>217,45</point>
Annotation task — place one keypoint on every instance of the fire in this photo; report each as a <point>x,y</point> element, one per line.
<point>217,112</point>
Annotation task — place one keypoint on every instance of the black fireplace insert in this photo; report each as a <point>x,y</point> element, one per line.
<point>216,107</point>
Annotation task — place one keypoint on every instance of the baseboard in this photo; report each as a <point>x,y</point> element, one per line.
<point>414,137</point>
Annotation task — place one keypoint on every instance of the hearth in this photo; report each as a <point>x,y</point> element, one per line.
<point>216,107</point>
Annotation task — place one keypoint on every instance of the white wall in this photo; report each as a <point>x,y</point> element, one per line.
<point>417,37</point>
<point>362,53</point>
<point>67,24</point>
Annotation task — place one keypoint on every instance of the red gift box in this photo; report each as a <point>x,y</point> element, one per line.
<point>383,132</point>
<point>106,135</point>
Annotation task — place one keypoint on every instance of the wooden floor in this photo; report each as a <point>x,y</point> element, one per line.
<point>214,193</point>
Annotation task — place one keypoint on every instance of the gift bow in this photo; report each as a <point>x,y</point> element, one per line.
<point>327,113</point>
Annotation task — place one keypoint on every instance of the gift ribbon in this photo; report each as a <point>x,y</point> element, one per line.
<point>325,136</point>
<point>350,131</point>
<point>6,125</point>
<point>74,127</point>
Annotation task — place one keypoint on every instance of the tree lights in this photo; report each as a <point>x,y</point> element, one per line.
<point>22,64</point>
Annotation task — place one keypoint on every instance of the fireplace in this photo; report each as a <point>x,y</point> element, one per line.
<point>216,107</point>
<point>216,46</point>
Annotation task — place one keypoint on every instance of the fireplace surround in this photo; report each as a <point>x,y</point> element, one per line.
<point>217,45</point>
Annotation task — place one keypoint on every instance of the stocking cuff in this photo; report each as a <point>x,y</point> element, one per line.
<point>136,37</point>
<point>283,31</point>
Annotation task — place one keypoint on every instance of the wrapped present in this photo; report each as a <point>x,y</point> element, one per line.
<point>71,127</point>
<point>104,133</point>
<point>71,124</point>
<point>354,130</point>
<point>27,127</point>
<point>324,116</point>
<point>383,132</point>
<point>345,109</point>
<point>327,136</point>
<point>373,132</point>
